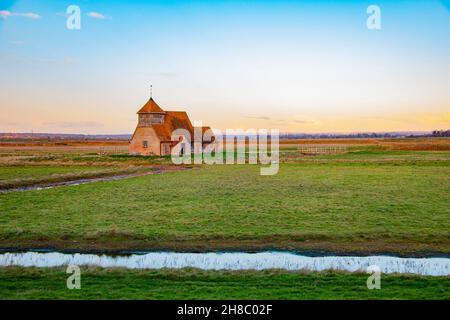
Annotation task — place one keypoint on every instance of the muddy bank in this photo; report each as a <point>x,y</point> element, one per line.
<point>310,248</point>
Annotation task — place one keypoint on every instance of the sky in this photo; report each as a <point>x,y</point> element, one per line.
<point>296,66</point>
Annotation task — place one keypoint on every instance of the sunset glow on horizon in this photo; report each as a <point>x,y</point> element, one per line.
<point>299,66</point>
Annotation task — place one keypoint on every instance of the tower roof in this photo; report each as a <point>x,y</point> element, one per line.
<point>151,106</point>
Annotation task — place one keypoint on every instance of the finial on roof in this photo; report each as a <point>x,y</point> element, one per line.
<point>151,91</point>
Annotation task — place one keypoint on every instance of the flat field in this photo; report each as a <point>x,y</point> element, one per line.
<point>367,199</point>
<point>371,197</point>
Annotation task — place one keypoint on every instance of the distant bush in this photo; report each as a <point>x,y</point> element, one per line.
<point>441,133</point>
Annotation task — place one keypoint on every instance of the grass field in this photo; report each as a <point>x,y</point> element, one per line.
<point>13,173</point>
<point>34,283</point>
<point>376,197</point>
<point>20,176</point>
<point>344,204</point>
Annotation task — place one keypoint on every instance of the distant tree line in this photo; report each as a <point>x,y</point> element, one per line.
<point>351,135</point>
<point>64,136</point>
<point>440,133</point>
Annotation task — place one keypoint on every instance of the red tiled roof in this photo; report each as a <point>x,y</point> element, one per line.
<point>150,106</point>
<point>173,120</point>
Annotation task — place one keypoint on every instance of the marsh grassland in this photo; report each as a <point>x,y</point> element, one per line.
<point>96,283</point>
<point>379,196</point>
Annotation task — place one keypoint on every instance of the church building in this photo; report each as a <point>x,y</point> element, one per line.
<point>153,134</point>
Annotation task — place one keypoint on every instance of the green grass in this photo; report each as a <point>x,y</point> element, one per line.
<point>22,176</point>
<point>373,155</point>
<point>369,200</point>
<point>34,283</point>
<point>335,202</point>
<point>10,173</point>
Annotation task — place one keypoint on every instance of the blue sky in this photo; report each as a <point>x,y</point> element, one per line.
<point>300,66</point>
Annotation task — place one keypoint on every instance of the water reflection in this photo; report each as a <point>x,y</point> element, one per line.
<point>232,261</point>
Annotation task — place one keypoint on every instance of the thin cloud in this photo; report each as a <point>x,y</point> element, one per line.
<point>302,121</point>
<point>76,124</point>
<point>97,15</point>
<point>5,13</point>
<point>281,121</point>
<point>293,121</point>
<point>167,74</point>
<point>31,60</point>
<point>259,117</point>
<point>266,118</point>
<point>11,124</point>
<point>30,15</point>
